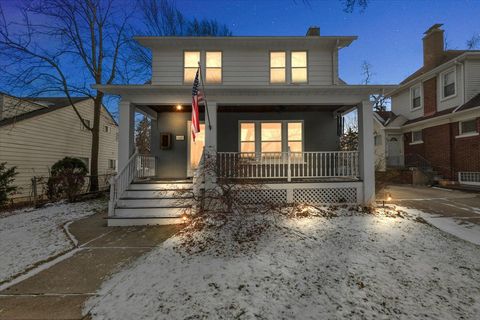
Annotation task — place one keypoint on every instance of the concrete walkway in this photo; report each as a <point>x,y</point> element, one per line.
<point>60,291</point>
<point>453,211</point>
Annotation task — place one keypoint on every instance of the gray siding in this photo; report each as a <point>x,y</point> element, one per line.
<point>472,79</point>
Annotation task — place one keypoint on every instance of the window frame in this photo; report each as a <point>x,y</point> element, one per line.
<point>377,140</point>
<point>420,87</point>
<point>292,67</point>
<point>82,127</point>
<point>206,67</point>
<point>412,141</point>
<point>442,84</point>
<point>462,134</point>
<point>284,134</point>
<point>114,164</point>
<point>184,67</point>
<point>255,134</point>
<point>270,68</point>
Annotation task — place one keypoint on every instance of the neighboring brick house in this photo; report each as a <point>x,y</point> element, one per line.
<point>439,106</point>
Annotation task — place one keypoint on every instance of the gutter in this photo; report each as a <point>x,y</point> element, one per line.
<point>445,116</point>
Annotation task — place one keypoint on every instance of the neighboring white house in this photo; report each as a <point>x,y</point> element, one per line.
<point>274,109</point>
<point>34,134</point>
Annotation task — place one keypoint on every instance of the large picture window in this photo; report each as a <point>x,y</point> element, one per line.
<point>271,136</point>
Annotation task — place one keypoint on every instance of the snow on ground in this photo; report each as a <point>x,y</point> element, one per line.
<point>360,266</point>
<point>28,236</point>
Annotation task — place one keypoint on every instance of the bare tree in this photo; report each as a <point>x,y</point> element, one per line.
<point>64,46</point>
<point>367,72</point>
<point>162,18</point>
<point>350,5</point>
<point>379,101</point>
<point>474,42</point>
<point>142,136</point>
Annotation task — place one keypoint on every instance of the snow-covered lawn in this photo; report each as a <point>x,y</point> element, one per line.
<point>360,266</point>
<point>28,236</point>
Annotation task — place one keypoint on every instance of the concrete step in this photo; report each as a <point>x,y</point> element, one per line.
<point>149,202</point>
<point>152,212</point>
<point>160,186</point>
<point>141,221</point>
<point>185,193</point>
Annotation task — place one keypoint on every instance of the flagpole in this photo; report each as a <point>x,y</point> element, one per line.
<point>204,96</point>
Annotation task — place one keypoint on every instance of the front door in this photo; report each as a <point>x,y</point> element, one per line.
<point>394,152</point>
<point>195,148</point>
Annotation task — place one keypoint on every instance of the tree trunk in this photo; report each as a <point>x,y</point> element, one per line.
<point>95,141</point>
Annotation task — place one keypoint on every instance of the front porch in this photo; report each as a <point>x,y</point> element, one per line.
<point>290,147</point>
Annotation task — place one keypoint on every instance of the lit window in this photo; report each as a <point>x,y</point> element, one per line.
<point>191,60</point>
<point>271,137</point>
<point>299,67</point>
<point>467,127</point>
<point>448,84</point>
<point>294,130</point>
<point>214,67</point>
<point>247,137</point>
<point>416,97</point>
<point>277,67</point>
<point>417,136</point>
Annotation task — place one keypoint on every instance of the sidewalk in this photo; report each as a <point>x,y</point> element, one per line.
<point>59,292</point>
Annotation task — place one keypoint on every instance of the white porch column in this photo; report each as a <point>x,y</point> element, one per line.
<point>210,142</point>
<point>366,149</point>
<point>126,143</point>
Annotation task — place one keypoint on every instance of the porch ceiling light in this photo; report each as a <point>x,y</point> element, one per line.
<point>178,107</point>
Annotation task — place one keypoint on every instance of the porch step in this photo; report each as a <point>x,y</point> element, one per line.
<point>150,212</point>
<point>152,202</point>
<point>141,221</point>
<point>155,194</point>
<point>160,186</point>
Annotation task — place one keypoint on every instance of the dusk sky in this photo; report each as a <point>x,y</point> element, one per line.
<point>389,32</point>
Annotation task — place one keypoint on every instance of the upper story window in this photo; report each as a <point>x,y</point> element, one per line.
<point>417,136</point>
<point>468,127</point>
<point>214,67</point>
<point>299,66</point>
<point>190,65</point>
<point>278,67</point>
<point>448,84</point>
<point>416,97</point>
<point>87,122</point>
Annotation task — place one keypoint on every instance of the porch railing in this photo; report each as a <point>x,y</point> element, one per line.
<point>138,166</point>
<point>288,165</point>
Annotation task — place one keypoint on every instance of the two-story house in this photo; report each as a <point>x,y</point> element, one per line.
<point>273,115</point>
<point>37,132</point>
<point>435,118</point>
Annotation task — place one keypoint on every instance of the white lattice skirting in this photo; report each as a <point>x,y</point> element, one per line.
<point>309,193</point>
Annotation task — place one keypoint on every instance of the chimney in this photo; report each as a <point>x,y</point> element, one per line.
<point>433,46</point>
<point>313,32</point>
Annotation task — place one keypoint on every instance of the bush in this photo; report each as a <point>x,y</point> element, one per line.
<point>67,178</point>
<point>7,176</point>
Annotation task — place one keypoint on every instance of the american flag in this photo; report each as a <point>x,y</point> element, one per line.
<point>196,98</point>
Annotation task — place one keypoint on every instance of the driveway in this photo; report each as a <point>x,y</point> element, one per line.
<point>58,291</point>
<point>453,211</point>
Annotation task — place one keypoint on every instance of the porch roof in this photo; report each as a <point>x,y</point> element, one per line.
<point>233,90</point>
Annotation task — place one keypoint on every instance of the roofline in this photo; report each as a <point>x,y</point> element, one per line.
<point>435,70</point>
<point>151,41</point>
<point>444,116</point>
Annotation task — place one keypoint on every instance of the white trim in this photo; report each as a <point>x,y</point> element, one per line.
<point>416,142</point>
<point>466,135</point>
<point>442,86</point>
<point>439,120</point>
<point>412,88</point>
